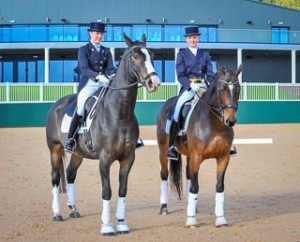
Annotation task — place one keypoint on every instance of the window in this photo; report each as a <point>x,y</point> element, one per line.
<point>38,33</point>
<point>169,71</point>
<point>173,33</point>
<point>20,33</point>
<point>280,35</point>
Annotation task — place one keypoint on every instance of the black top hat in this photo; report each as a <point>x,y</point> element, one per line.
<point>190,31</point>
<point>97,27</point>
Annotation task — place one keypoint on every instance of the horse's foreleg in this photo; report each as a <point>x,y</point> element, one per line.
<point>125,167</point>
<point>107,227</point>
<point>219,199</point>
<point>194,166</point>
<point>73,166</point>
<point>56,156</point>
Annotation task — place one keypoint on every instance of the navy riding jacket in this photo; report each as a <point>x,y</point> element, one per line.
<point>91,63</point>
<point>190,66</point>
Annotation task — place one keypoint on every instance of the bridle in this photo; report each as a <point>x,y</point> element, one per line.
<point>218,110</point>
<point>140,79</point>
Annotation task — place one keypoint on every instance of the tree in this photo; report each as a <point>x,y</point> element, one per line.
<point>295,4</point>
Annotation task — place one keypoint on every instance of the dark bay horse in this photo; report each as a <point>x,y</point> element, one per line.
<point>209,134</point>
<point>113,132</point>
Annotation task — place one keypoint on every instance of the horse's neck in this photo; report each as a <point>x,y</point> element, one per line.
<point>121,94</point>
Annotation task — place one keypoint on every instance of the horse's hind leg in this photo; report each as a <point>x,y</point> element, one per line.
<point>56,155</point>
<point>219,199</point>
<point>73,166</point>
<point>164,174</point>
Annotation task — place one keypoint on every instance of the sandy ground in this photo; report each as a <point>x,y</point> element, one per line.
<point>262,192</point>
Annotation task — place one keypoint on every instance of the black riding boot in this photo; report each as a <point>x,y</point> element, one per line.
<point>233,151</point>
<point>172,151</point>
<point>71,141</point>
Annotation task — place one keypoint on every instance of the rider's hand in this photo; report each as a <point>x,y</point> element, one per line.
<point>102,78</point>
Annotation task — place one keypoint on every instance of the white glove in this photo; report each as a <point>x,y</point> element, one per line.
<point>103,79</point>
<point>196,86</point>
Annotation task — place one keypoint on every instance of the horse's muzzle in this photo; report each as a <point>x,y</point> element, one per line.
<point>152,83</point>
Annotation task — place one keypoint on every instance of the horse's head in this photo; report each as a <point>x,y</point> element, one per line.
<point>141,63</point>
<point>228,88</point>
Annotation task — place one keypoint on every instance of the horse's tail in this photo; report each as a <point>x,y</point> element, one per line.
<point>176,176</point>
<point>62,172</point>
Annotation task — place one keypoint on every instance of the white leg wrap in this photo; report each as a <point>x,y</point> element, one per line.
<point>106,212</point>
<point>71,194</point>
<point>121,206</point>
<point>219,206</point>
<point>188,185</point>
<point>192,204</point>
<point>56,200</point>
<point>163,192</point>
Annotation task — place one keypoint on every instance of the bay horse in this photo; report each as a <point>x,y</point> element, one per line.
<point>113,132</point>
<point>209,134</point>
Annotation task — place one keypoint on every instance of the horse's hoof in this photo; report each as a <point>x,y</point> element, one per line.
<point>191,222</point>
<point>122,227</point>
<point>57,218</point>
<point>163,210</point>
<point>108,230</point>
<point>221,222</point>
<point>74,214</point>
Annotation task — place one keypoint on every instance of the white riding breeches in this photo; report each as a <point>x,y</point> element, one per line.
<point>87,91</point>
<point>184,97</point>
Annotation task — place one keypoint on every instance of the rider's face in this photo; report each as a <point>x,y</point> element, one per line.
<point>192,41</point>
<point>96,37</point>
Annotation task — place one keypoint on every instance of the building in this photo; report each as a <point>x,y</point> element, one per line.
<point>39,39</point>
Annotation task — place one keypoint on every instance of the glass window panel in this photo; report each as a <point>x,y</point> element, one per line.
<point>275,35</point>
<point>20,33</point>
<point>6,34</point>
<point>83,34</point>
<point>21,71</point>
<point>31,71</point>
<point>56,33</point>
<point>109,34</point>
<point>70,33</point>
<point>8,72</point>
<point>117,33</point>
<point>170,71</point>
<point>284,35</point>
<point>128,31</point>
<point>138,31</point>
<point>173,33</point>
<point>212,34</point>
<point>56,70</point>
<point>41,71</point>
<point>158,68</point>
<point>69,74</point>
<point>154,33</point>
<point>38,33</point>
<point>204,34</point>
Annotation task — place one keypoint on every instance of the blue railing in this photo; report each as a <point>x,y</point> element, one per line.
<point>155,33</point>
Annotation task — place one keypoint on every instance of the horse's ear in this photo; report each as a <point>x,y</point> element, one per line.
<point>144,40</point>
<point>238,71</point>
<point>128,41</point>
<point>220,70</point>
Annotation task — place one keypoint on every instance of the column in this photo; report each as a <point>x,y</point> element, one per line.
<point>47,64</point>
<point>293,70</point>
<point>240,61</point>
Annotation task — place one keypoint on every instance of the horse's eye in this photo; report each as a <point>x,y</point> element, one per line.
<point>136,56</point>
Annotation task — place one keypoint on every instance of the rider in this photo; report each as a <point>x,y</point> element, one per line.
<point>194,71</point>
<point>97,69</point>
